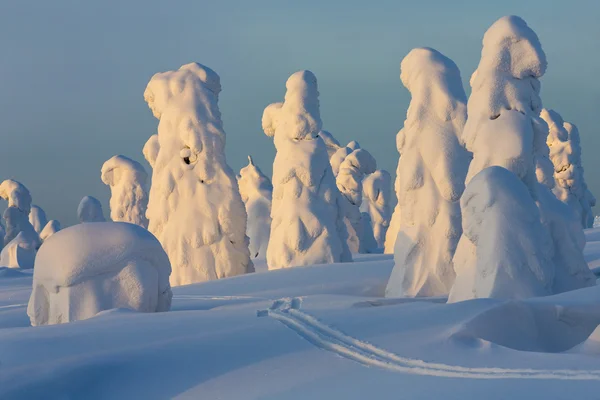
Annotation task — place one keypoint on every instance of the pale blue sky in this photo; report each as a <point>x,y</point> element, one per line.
<point>73,74</point>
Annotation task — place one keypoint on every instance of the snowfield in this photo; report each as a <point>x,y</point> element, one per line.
<point>318,332</point>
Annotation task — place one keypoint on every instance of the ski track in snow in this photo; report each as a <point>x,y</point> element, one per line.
<point>287,311</point>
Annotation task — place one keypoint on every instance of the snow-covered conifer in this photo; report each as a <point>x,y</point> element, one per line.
<point>50,229</point>
<point>195,208</point>
<point>330,142</point>
<point>90,210</point>
<point>257,192</point>
<point>307,227</point>
<point>129,196</point>
<point>432,166</point>
<point>377,192</point>
<point>502,252</point>
<point>37,218</point>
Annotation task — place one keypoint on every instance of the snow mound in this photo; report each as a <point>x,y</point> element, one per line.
<point>50,229</point>
<point>257,192</point>
<point>90,210</point>
<point>129,197</point>
<point>307,225</point>
<point>37,218</point>
<point>502,252</point>
<point>88,268</point>
<point>195,209</point>
<point>377,197</point>
<point>432,170</point>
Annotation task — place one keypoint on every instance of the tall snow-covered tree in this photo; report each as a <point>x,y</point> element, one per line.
<point>129,196</point>
<point>37,218</point>
<point>503,250</point>
<point>377,192</point>
<point>195,208</point>
<point>90,210</point>
<point>308,226</point>
<point>432,167</point>
<point>257,193</point>
<point>504,127</point>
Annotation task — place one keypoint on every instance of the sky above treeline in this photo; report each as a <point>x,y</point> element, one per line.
<point>74,73</point>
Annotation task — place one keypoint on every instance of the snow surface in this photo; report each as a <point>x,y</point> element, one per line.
<point>308,226</point>
<point>129,196</point>
<point>257,193</point>
<point>195,208</point>
<point>90,210</point>
<point>503,250</point>
<point>323,332</point>
<point>377,198</point>
<point>88,268</point>
<point>432,170</point>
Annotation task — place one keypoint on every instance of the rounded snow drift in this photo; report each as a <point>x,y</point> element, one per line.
<point>88,268</point>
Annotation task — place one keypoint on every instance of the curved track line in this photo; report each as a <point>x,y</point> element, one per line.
<point>287,311</point>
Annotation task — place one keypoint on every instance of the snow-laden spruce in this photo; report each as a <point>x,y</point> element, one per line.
<point>195,208</point>
<point>307,227</point>
<point>377,197</point>
<point>88,268</point>
<point>21,241</point>
<point>587,199</point>
<point>90,210</point>
<point>504,127</point>
<point>433,166</point>
<point>50,229</point>
<point>350,174</point>
<point>561,221</point>
<point>502,252</point>
<point>257,193</point>
<point>337,158</point>
<point>37,218</point>
<point>129,196</point>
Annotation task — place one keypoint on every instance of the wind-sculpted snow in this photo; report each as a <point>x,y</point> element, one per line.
<point>37,218</point>
<point>307,226</point>
<point>129,196</point>
<point>88,268</point>
<point>90,210</point>
<point>503,250</point>
<point>257,193</point>
<point>195,209</point>
<point>377,192</point>
<point>432,170</point>
<point>504,127</point>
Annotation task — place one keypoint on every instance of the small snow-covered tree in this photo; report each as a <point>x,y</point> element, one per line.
<point>349,177</point>
<point>257,193</point>
<point>377,192</point>
<point>502,252</point>
<point>330,142</point>
<point>195,208</point>
<point>37,218</point>
<point>504,127</point>
<point>21,241</point>
<point>129,196</point>
<point>308,226</point>
<point>50,229</point>
<point>90,210</point>
<point>433,166</point>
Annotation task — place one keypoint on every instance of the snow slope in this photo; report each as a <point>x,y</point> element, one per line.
<point>321,332</point>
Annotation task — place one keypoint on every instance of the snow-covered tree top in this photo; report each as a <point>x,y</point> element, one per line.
<point>120,169</point>
<point>556,129</point>
<point>298,116</point>
<point>253,181</point>
<point>374,187</point>
<point>435,86</point>
<point>90,210</point>
<point>165,85</point>
<point>512,60</point>
<point>16,194</point>
<point>331,142</point>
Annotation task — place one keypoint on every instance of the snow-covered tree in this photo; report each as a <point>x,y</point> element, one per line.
<point>257,193</point>
<point>150,150</point>
<point>90,210</point>
<point>504,127</point>
<point>377,192</point>
<point>308,226</point>
<point>21,241</point>
<point>37,218</point>
<point>330,142</point>
<point>501,253</point>
<point>349,177</point>
<point>129,196</point>
<point>338,157</point>
<point>195,208</point>
<point>50,229</point>
<point>433,166</point>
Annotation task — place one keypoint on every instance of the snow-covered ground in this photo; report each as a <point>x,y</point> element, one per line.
<point>320,332</point>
